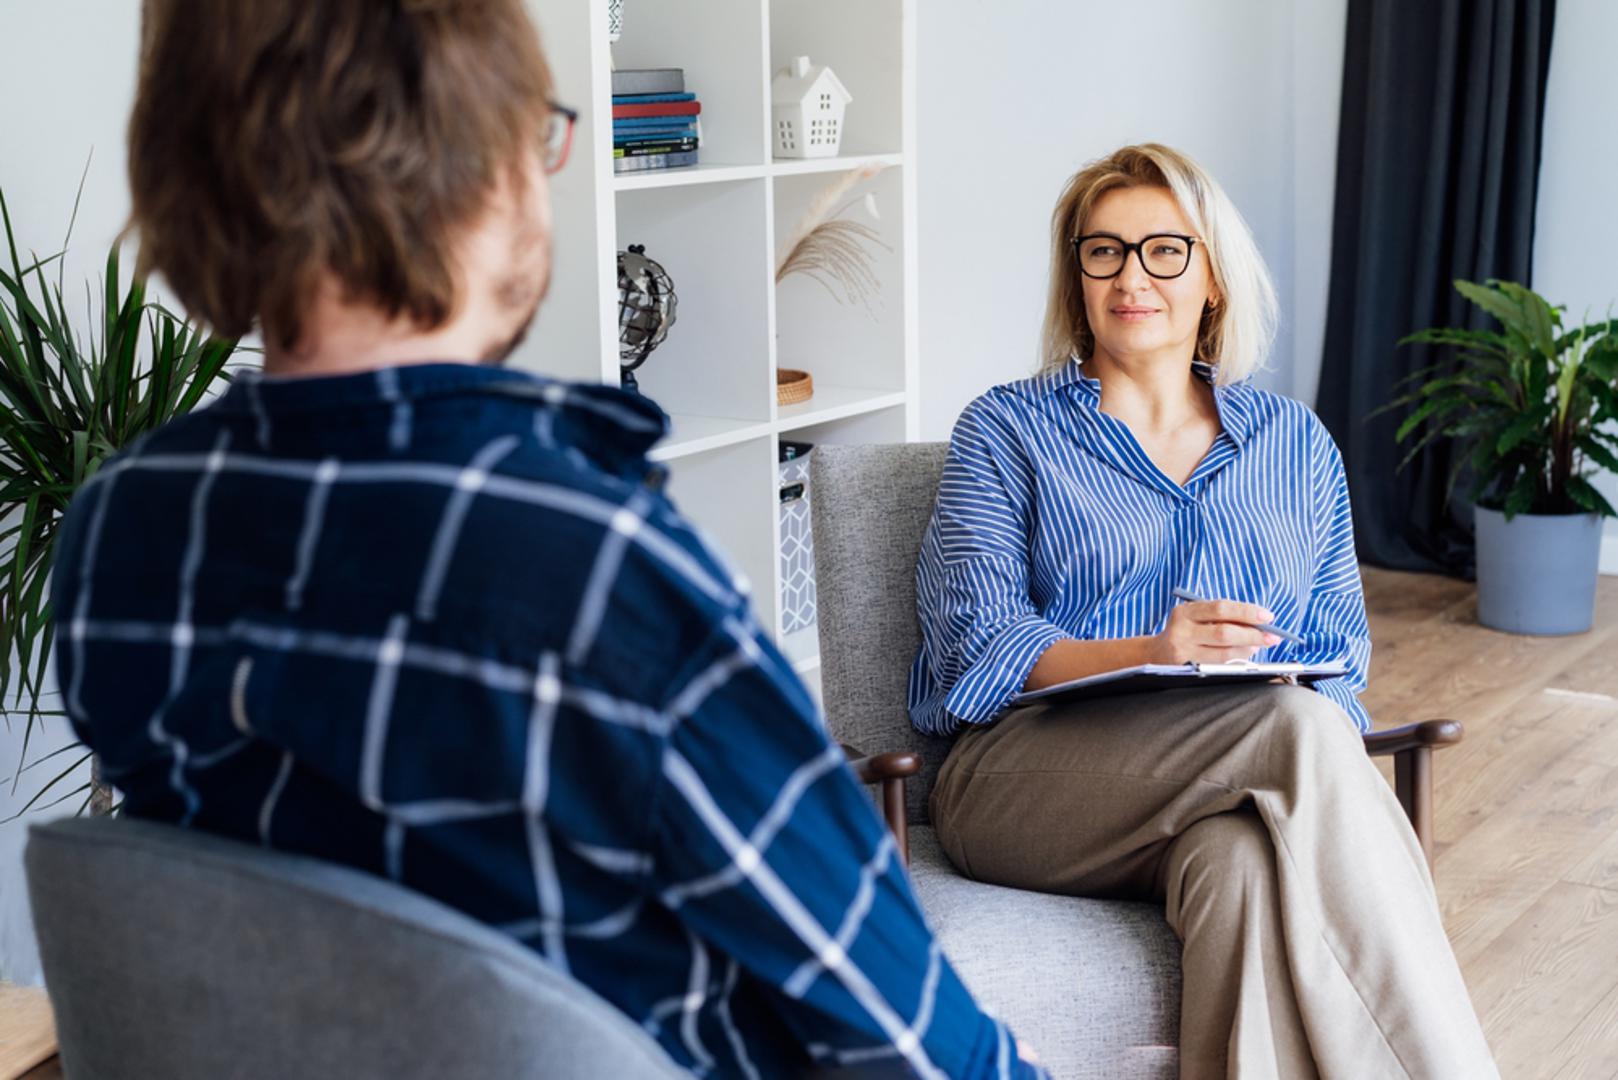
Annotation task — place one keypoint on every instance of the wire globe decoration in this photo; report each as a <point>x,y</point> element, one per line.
<point>646,310</point>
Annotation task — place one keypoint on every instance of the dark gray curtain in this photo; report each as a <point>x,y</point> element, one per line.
<point>1437,170</point>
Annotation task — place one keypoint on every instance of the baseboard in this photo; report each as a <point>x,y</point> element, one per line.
<point>1609,550</point>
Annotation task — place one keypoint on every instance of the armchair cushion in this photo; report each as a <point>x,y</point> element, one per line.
<point>1093,985</point>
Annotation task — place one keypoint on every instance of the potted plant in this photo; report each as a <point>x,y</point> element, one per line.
<point>1531,405</point>
<point>70,397</point>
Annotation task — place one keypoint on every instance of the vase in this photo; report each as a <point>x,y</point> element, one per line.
<point>1537,572</point>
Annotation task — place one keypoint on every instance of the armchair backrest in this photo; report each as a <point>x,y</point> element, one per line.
<point>171,953</point>
<point>871,507</point>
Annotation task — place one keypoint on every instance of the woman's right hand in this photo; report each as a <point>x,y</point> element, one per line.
<point>1212,632</point>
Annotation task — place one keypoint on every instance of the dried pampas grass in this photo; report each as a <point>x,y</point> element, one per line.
<point>830,248</point>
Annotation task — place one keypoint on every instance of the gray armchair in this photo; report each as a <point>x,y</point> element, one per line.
<point>1094,985</point>
<point>170,953</point>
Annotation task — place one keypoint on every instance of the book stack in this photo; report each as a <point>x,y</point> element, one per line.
<point>654,121</point>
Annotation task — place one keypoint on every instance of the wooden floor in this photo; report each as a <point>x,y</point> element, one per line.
<point>26,1035</point>
<point>1526,818</point>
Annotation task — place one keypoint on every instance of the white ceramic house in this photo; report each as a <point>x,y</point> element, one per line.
<point>807,103</point>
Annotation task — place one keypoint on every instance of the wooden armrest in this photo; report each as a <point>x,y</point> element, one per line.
<point>1428,733</point>
<point>1411,748</point>
<point>890,770</point>
<point>874,768</point>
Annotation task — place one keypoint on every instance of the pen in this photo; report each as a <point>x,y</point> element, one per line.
<point>1268,628</point>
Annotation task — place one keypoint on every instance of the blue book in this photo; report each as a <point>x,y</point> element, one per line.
<point>643,133</point>
<point>652,133</point>
<point>649,121</point>
<point>650,99</point>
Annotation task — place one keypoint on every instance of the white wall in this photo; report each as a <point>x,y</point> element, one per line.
<point>1576,227</point>
<point>1318,35</point>
<point>1015,96</point>
<point>67,75</point>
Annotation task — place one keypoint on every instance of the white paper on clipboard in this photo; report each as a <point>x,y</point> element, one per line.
<point>1145,678</point>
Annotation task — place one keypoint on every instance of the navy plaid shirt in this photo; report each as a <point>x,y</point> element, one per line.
<point>440,623</point>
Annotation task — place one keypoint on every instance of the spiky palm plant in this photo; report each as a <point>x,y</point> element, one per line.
<point>70,397</point>
<point>1531,404</point>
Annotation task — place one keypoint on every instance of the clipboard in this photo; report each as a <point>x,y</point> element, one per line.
<point>1147,678</point>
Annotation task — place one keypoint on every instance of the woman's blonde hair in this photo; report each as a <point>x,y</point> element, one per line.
<point>1236,333</point>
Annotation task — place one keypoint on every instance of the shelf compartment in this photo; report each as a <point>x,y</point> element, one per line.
<point>690,434</point>
<point>801,166</point>
<point>860,40</point>
<point>832,402</point>
<point>712,239</point>
<point>844,344</point>
<point>877,425</point>
<point>703,173</point>
<point>723,490</point>
<point>720,46</point>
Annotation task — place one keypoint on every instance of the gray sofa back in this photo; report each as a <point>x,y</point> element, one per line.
<point>170,953</point>
<point>871,507</point>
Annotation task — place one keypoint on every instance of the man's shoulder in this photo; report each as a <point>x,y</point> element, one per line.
<point>184,437</point>
<point>510,523</point>
<point>599,544</point>
<point>548,485</point>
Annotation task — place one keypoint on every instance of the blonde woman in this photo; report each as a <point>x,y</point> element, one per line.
<point>1138,461</point>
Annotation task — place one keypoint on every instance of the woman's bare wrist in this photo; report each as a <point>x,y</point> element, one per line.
<point>1073,658</point>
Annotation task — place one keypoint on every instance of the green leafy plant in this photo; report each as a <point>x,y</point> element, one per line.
<point>1530,403</point>
<point>69,399</point>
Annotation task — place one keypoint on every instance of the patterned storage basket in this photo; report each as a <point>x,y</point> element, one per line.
<point>797,544</point>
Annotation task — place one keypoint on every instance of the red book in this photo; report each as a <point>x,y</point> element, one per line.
<point>659,108</point>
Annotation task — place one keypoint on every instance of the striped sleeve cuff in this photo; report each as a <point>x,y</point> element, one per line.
<point>998,675</point>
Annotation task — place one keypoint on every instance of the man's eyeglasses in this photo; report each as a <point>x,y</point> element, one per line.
<point>1162,255</point>
<point>559,136</point>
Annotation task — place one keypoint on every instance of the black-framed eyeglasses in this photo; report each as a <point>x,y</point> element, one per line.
<point>559,136</point>
<point>1162,255</point>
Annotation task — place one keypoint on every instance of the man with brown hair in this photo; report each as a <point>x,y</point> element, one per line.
<point>391,605</point>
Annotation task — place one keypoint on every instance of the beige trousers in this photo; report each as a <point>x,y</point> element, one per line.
<point>1312,939</point>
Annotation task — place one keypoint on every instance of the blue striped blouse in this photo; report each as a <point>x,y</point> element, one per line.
<point>1053,523</point>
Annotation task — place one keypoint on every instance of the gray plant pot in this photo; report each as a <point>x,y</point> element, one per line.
<point>1537,572</point>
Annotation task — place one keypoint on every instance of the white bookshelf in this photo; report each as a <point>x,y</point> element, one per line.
<point>714,228</point>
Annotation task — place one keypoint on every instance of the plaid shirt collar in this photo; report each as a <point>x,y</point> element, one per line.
<point>613,427</point>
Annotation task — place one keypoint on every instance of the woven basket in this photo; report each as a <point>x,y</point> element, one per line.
<point>793,387</point>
